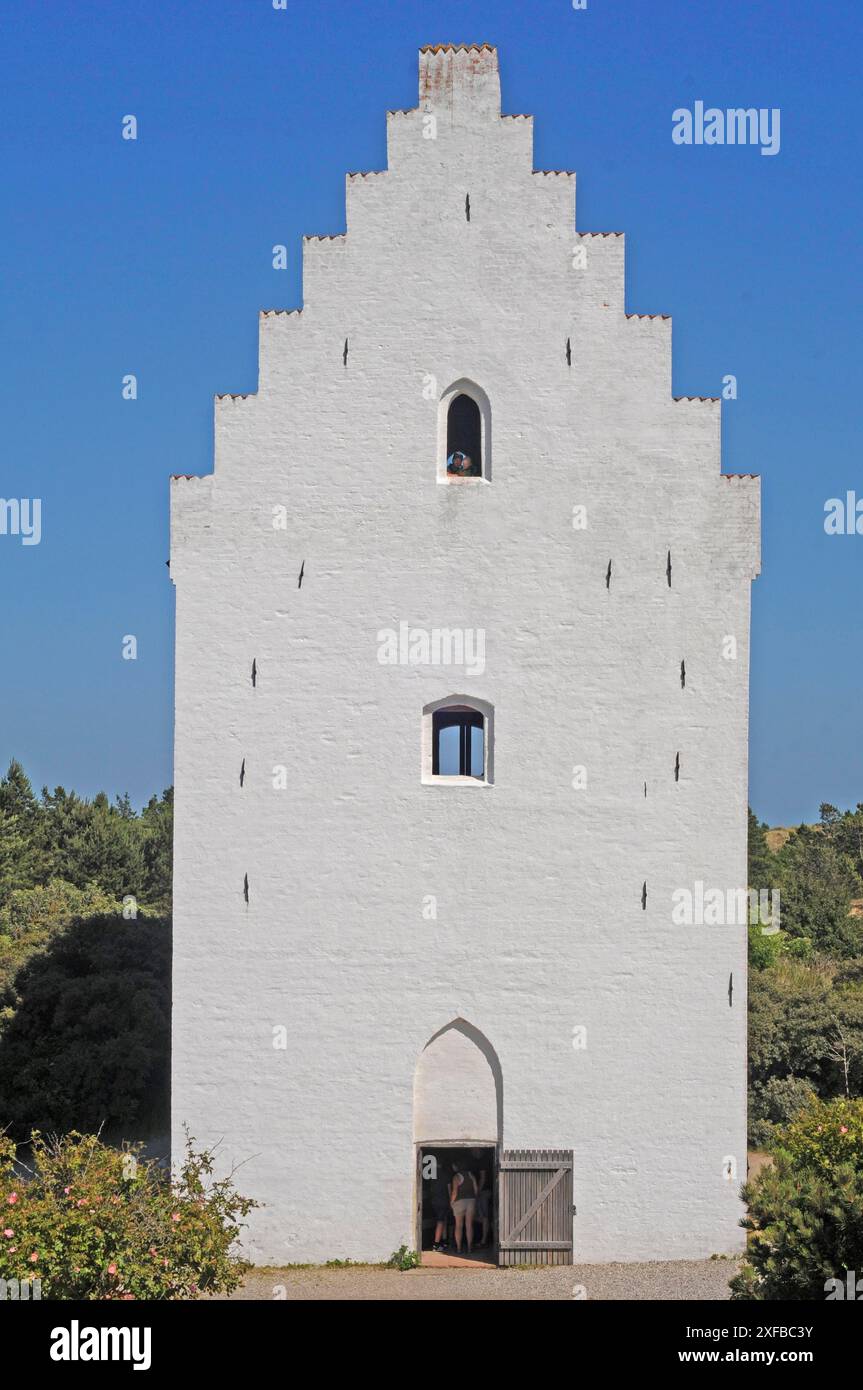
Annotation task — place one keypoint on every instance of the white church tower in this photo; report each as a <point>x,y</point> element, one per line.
<point>461,721</point>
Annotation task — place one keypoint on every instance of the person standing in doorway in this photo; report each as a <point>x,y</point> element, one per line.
<point>483,1200</point>
<point>463,1198</point>
<point>440,1204</point>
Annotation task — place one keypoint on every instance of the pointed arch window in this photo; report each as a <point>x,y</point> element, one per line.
<point>463,438</point>
<point>464,434</point>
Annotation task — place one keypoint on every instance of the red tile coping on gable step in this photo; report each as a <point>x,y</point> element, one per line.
<point>458,48</point>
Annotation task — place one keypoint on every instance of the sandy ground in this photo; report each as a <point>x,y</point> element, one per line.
<point>683,1279</point>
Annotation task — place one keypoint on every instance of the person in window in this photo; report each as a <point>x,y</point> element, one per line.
<point>461,465</point>
<point>463,1198</point>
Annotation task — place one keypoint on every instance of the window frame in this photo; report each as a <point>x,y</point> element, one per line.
<point>464,387</point>
<point>483,713</point>
<point>463,718</point>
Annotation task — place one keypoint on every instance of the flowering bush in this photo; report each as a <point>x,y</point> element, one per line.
<point>826,1134</point>
<point>94,1222</point>
<point>806,1210</point>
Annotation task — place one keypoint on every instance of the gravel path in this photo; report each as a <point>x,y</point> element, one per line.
<point>681,1279</point>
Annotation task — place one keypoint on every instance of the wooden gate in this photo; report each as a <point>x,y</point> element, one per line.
<point>535,1207</point>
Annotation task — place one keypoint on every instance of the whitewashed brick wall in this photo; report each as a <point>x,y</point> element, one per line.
<point>540,926</point>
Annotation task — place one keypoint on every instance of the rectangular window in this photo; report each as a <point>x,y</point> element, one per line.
<point>458,743</point>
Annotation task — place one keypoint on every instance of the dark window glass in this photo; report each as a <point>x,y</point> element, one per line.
<point>464,438</point>
<point>458,743</point>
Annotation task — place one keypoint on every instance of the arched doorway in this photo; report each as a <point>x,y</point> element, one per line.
<point>458,1126</point>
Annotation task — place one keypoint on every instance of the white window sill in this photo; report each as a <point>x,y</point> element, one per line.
<point>449,478</point>
<point>445,781</point>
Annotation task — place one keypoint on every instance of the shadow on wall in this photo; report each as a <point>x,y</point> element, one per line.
<point>86,1038</point>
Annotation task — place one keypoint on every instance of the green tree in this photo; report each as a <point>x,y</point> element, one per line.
<point>805,1211</point>
<point>22,862</point>
<point>30,918</point>
<point>844,830</point>
<point>93,842</point>
<point>157,821</point>
<point>14,852</point>
<point>88,1043</point>
<point>817,882</point>
<point>17,797</point>
<point>762,862</point>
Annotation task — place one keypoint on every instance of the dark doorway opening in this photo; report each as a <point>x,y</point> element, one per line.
<point>464,438</point>
<point>436,1165</point>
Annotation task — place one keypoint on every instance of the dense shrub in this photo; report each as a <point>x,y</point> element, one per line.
<point>89,1042</point>
<point>805,1024</point>
<point>773,1104</point>
<point>806,1210</point>
<point>825,1135</point>
<point>30,918</point>
<point>84,993</point>
<point>93,1222</point>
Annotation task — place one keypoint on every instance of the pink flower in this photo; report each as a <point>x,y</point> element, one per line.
<point>112,1269</point>
<point>128,1295</point>
<point>175,1216</point>
<point>81,1202</point>
<point>67,1190</point>
<point>8,1232</point>
<point>843,1129</point>
<point>12,1198</point>
<point>34,1257</point>
<point>12,1249</point>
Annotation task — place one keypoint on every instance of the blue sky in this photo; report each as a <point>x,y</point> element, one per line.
<point>154,256</point>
